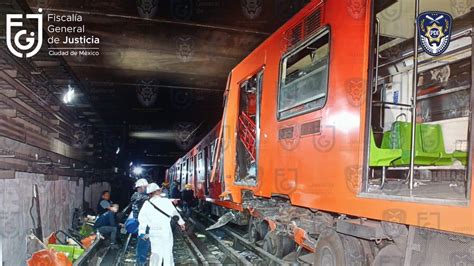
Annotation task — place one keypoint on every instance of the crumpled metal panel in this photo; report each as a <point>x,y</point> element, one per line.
<point>57,202</point>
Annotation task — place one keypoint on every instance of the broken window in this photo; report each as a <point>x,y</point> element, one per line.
<point>304,82</point>
<point>434,163</point>
<point>248,129</point>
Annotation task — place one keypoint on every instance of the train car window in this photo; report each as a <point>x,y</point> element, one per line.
<point>184,173</point>
<point>205,168</point>
<point>178,173</point>
<point>212,152</point>
<point>304,78</point>
<point>205,152</point>
<point>192,171</point>
<point>200,166</point>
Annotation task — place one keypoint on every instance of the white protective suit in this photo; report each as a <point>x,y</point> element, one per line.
<point>161,235</point>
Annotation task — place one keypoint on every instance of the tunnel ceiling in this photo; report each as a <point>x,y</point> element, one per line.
<point>162,67</point>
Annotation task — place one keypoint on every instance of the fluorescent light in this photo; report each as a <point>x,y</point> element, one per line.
<point>69,95</point>
<point>137,170</point>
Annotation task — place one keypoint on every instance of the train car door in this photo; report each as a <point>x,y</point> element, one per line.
<point>200,183</point>
<point>193,179</point>
<point>248,129</point>
<point>210,162</point>
<point>184,174</point>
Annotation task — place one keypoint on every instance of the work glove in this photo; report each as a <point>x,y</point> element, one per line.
<point>143,236</point>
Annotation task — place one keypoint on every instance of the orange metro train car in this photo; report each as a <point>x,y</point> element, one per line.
<point>315,146</point>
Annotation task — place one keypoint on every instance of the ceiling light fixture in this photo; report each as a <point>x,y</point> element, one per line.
<point>137,170</point>
<point>69,95</point>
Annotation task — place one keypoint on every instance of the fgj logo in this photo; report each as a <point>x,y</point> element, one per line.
<point>24,46</point>
<point>434,31</point>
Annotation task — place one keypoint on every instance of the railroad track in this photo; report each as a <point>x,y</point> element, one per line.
<point>222,246</point>
<point>236,248</point>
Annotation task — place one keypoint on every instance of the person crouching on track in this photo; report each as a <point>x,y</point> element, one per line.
<point>138,198</point>
<point>106,224</point>
<point>156,214</point>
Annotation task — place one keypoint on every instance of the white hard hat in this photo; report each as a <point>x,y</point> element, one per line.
<point>152,188</point>
<point>141,182</point>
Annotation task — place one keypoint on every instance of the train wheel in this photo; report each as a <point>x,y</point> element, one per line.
<point>333,249</point>
<point>253,234</point>
<point>257,230</point>
<point>278,245</point>
<point>354,251</point>
<point>389,255</point>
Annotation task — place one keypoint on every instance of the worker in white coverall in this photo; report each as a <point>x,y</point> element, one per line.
<point>156,213</point>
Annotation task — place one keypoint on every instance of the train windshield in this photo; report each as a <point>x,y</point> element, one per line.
<point>419,138</point>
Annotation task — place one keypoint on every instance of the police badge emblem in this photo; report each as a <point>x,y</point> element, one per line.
<point>434,31</point>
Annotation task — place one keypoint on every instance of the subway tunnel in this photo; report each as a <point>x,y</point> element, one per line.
<point>145,84</point>
<point>281,132</point>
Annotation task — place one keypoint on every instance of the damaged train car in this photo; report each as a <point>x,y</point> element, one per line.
<point>327,148</point>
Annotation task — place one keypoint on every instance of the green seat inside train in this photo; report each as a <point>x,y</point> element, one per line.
<point>433,142</point>
<point>383,156</point>
<point>429,147</point>
<point>460,156</point>
<point>401,137</point>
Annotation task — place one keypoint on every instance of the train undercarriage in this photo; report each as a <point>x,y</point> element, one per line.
<point>325,238</point>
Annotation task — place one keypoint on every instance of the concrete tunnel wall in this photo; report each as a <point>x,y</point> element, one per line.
<point>58,199</point>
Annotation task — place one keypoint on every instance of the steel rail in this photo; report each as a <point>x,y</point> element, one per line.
<point>266,256</point>
<point>230,252</point>
<point>195,250</point>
